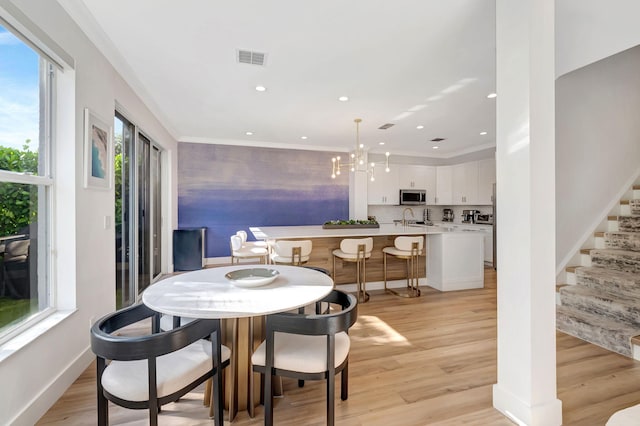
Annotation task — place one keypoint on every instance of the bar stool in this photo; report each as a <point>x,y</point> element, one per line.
<point>291,252</point>
<point>356,250</point>
<point>408,248</point>
<point>240,251</point>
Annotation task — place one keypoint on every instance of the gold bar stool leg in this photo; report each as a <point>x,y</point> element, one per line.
<point>408,249</point>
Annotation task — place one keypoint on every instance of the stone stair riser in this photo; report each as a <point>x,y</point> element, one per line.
<point>627,286</point>
<point>629,223</point>
<point>622,240</point>
<point>601,305</point>
<point>626,261</point>
<point>576,327</point>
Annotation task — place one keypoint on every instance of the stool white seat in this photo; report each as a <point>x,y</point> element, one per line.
<point>291,252</point>
<point>238,251</point>
<point>627,417</point>
<point>410,249</point>
<point>356,250</point>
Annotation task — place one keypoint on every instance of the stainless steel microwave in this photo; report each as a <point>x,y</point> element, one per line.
<point>413,196</point>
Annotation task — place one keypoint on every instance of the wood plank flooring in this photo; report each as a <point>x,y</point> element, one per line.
<point>424,361</point>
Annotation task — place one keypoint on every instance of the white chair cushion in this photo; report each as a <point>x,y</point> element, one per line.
<point>129,379</point>
<point>627,417</point>
<point>350,245</point>
<point>405,243</point>
<point>250,252</point>
<point>306,354</point>
<point>166,322</point>
<point>400,253</point>
<point>341,254</point>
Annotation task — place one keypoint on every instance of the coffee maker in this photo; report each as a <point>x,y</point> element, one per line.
<point>469,216</point>
<point>447,215</point>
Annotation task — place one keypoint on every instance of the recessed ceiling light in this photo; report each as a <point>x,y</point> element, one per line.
<point>303,137</point>
<point>261,88</point>
<point>420,127</point>
<point>491,95</point>
<point>380,143</point>
<point>483,133</point>
<point>343,98</point>
<point>248,133</point>
<point>436,147</point>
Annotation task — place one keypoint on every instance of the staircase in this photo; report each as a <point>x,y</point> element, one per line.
<point>601,304</point>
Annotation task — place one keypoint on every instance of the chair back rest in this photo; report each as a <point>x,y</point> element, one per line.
<point>294,251</point>
<point>318,324</point>
<point>236,242</point>
<point>350,245</point>
<point>243,235</point>
<point>406,243</point>
<point>107,345</point>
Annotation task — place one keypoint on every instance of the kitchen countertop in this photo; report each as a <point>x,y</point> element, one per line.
<point>316,231</point>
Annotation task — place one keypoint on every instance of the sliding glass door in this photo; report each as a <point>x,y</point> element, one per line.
<point>138,211</point>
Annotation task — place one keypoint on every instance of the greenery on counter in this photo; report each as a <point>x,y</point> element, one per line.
<point>351,222</point>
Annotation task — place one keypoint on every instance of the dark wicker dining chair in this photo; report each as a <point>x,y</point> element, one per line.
<point>308,347</point>
<point>150,370</point>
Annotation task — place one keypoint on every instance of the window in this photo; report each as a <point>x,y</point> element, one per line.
<point>26,99</point>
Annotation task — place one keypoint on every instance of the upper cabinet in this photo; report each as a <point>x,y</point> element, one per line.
<point>384,189</point>
<point>468,183</point>
<point>418,177</point>
<point>486,180</point>
<point>465,183</point>
<point>444,185</point>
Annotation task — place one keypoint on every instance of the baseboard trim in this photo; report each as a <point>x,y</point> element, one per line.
<point>517,410</point>
<point>51,393</point>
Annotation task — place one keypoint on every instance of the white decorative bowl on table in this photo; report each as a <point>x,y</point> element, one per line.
<point>253,277</point>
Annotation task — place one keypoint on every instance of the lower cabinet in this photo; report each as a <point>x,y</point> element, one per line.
<point>455,261</point>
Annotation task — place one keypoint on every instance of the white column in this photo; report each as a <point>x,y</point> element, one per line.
<point>525,169</point>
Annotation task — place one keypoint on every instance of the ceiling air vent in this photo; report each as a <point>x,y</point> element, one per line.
<point>437,139</point>
<point>252,58</point>
<point>386,126</point>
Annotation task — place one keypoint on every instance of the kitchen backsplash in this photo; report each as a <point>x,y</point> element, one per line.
<point>387,214</point>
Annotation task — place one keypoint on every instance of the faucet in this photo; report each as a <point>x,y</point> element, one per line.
<point>404,220</point>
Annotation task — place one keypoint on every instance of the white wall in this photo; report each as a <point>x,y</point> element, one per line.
<point>41,371</point>
<point>597,143</point>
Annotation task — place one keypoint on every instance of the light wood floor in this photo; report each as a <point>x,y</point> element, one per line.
<point>424,361</point>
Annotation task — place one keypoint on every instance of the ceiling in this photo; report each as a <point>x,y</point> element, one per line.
<point>408,63</point>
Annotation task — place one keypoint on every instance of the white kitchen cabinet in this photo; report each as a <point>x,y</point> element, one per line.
<point>465,183</point>
<point>444,194</point>
<point>488,246</point>
<point>486,179</point>
<point>418,177</point>
<point>411,176</point>
<point>455,261</point>
<point>384,190</point>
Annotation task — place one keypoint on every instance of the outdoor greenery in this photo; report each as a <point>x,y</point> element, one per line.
<point>17,201</point>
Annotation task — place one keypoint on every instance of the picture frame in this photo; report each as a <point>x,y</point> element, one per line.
<point>98,152</point>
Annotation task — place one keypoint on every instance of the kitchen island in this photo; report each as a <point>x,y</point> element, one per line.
<point>454,257</point>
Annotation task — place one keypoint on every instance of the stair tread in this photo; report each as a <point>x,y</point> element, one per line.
<point>571,268</point>
<point>615,251</point>
<point>585,251</point>
<point>635,340</point>
<point>610,324</point>
<point>598,234</point>
<point>601,295</point>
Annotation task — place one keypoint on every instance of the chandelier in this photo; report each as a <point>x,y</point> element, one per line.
<point>357,160</point>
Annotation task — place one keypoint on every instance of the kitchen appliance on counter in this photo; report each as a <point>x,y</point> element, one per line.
<point>484,219</point>
<point>469,216</point>
<point>447,215</point>
<point>413,197</point>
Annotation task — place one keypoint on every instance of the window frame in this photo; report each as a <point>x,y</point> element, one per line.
<point>44,182</point>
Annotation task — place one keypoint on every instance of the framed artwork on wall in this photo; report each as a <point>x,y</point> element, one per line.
<point>98,151</point>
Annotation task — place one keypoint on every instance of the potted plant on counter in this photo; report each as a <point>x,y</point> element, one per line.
<point>351,223</point>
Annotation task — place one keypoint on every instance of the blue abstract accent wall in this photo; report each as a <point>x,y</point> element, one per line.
<point>226,188</point>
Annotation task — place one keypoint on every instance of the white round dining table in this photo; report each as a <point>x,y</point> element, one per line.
<point>209,294</point>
